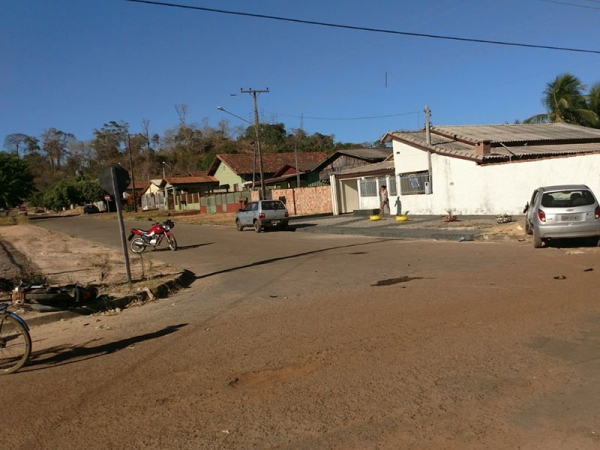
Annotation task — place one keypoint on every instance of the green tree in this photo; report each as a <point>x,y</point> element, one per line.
<point>565,101</point>
<point>89,190</point>
<point>16,180</point>
<point>594,100</point>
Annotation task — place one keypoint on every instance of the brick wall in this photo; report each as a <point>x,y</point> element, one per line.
<point>306,200</point>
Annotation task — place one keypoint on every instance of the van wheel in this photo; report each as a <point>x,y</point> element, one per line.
<point>537,240</point>
<point>257,226</point>
<point>239,225</point>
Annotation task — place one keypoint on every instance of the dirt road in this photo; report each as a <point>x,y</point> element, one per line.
<point>302,341</point>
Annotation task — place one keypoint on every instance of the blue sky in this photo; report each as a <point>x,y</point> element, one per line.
<point>77,64</point>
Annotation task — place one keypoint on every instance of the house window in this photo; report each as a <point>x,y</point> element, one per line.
<point>368,187</point>
<point>391,186</point>
<point>415,183</point>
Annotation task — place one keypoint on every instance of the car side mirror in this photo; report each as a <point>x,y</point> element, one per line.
<point>526,208</point>
<point>240,210</point>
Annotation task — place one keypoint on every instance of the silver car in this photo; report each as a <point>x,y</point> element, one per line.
<point>263,214</point>
<point>567,211</point>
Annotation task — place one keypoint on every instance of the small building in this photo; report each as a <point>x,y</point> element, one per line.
<point>239,170</point>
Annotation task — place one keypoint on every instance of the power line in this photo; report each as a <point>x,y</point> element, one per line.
<point>343,118</point>
<point>374,30</point>
<point>571,4</point>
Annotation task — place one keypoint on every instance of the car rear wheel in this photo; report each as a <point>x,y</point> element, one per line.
<point>239,225</point>
<point>257,226</point>
<point>537,240</point>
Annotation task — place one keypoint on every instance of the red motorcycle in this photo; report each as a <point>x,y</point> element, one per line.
<point>154,236</point>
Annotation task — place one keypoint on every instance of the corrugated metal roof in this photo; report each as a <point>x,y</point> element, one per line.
<point>374,154</point>
<point>508,142</point>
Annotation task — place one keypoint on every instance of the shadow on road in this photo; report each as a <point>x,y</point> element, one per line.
<point>65,354</point>
<point>282,258</point>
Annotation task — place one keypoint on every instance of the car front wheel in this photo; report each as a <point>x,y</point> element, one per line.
<point>239,225</point>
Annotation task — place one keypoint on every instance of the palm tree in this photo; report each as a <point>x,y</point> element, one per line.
<point>565,102</point>
<point>593,101</point>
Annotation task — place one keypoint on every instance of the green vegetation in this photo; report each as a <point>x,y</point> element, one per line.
<point>16,180</point>
<point>59,163</point>
<point>565,101</point>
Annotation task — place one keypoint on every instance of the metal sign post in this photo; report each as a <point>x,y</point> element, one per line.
<point>121,224</point>
<point>114,180</point>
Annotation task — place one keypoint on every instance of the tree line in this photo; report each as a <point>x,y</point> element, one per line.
<point>56,169</point>
<point>64,170</point>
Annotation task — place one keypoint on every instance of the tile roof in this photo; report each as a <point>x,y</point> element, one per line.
<point>139,185</point>
<point>242,163</point>
<point>507,142</point>
<point>190,180</point>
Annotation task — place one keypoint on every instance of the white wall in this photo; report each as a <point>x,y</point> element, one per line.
<point>464,187</point>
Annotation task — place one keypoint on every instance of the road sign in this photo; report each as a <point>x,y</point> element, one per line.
<point>121,177</point>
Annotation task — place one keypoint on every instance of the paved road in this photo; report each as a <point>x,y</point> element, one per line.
<point>311,341</point>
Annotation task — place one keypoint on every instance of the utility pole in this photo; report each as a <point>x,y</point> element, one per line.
<point>254,93</point>
<point>132,176</point>
<point>428,140</point>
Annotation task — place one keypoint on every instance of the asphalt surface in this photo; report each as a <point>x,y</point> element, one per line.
<point>304,340</point>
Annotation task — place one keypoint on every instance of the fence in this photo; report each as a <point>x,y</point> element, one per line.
<point>299,201</point>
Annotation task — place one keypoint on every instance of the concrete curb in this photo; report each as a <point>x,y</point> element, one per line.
<point>105,303</point>
<point>396,233</point>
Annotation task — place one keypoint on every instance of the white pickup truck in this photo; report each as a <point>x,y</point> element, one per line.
<point>263,214</point>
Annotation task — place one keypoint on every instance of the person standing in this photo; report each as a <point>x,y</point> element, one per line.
<point>385,201</point>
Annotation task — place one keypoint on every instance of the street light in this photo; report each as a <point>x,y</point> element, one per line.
<point>166,192</point>
<point>256,150</point>
<point>165,164</point>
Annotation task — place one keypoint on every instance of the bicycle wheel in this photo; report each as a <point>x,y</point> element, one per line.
<point>15,344</point>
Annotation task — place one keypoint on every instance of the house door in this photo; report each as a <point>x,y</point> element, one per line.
<point>349,195</point>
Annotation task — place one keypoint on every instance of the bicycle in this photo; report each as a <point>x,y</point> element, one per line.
<point>15,341</point>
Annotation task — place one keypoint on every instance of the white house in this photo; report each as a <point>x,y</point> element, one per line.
<point>490,169</point>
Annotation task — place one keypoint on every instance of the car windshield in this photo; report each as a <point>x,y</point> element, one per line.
<point>568,199</point>
<point>272,205</point>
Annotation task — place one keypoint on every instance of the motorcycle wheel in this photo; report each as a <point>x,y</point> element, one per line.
<point>138,245</point>
<point>172,242</point>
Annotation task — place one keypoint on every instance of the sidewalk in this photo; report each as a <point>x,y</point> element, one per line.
<point>466,228</point>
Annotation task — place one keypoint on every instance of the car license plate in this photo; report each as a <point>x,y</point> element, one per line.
<point>275,222</point>
<point>570,217</point>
